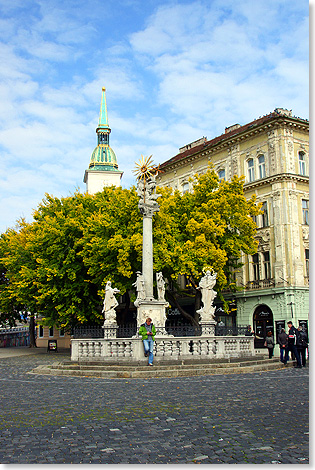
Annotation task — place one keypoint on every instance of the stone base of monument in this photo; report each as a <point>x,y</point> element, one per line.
<point>110,329</point>
<point>207,328</point>
<point>154,309</point>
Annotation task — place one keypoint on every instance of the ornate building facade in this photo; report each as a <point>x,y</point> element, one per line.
<point>272,152</point>
<point>103,168</point>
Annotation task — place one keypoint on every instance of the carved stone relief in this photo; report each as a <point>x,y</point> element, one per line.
<point>299,298</point>
<point>306,233</point>
<point>272,157</point>
<point>281,304</point>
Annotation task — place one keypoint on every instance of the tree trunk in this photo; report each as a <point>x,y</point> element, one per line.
<point>126,309</point>
<point>32,332</point>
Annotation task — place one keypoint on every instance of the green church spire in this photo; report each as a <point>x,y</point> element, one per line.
<point>103,119</point>
<point>103,157</point>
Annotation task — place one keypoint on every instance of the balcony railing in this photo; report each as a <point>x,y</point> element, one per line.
<point>260,284</point>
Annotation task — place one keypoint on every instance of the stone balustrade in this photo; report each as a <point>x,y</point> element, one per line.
<point>130,350</point>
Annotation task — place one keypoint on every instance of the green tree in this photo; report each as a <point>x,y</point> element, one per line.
<point>57,266</point>
<point>17,288</point>
<point>208,228</point>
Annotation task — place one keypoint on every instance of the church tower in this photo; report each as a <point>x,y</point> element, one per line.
<point>103,167</point>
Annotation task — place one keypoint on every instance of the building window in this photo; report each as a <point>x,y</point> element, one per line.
<point>61,333</point>
<point>251,173</point>
<point>221,174</point>
<point>265,221</point>
<point>302,163</point>
<point>256,270</point>
<point>307,260</point>
<point>185,187</point>
<point>305,211</point>
<point>40,331</point>
<point>51,332</point>
<point>267,265</point>
<point>261,166</point>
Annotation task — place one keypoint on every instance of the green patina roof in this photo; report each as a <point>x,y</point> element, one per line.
<point>103,158</point>
<point>103,118</point>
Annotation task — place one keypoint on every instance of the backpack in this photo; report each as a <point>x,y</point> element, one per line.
<point>302,339</point>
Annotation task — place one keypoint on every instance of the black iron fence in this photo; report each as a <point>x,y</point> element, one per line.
<point>130,330</point>
<point>238,330</point>
<point>94,331</point>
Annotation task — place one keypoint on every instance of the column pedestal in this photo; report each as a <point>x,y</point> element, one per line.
<point>154,309</point>
<point>208,328</point>
<point>110,329</point>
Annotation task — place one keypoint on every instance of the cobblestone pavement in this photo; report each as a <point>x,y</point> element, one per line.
<point>259,418</point>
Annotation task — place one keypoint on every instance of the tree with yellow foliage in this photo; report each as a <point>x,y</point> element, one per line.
<point>58,265</point>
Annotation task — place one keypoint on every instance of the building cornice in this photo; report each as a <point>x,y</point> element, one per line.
<point>230,139</point>
<point>274,178</point>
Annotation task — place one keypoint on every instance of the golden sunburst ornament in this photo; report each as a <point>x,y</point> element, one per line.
<point>145,168</point>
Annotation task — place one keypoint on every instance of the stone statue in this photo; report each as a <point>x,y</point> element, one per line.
<point>110,303</point>
<point>140,287</point>
<point>147,194</point>
<point>160,284</point>
<point>206,284</point>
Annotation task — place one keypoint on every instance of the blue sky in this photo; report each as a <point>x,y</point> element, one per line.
<point>174,71</point>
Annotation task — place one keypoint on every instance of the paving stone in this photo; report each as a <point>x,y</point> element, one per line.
<point>223,419</point>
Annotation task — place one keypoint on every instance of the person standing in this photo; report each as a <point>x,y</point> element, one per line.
<point>283,343</point>
<point>292,340</point>
<point>302,345</point>
<point>249,331</point>
<point>148,332</point>
<point>269,342</point>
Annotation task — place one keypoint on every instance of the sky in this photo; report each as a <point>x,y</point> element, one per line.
<point>174,71</point>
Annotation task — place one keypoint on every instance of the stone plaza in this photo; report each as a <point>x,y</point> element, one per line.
<point>258,418</point>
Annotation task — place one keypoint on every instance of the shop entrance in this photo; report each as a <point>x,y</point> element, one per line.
<point>262,322</point>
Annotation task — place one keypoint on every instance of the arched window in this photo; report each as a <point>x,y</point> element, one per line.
<point>251,172</point>
<point>221,174</point>
<point>261,166</point>
<point>185,187</point>
<point>302,163</point>
<point>262,322</point>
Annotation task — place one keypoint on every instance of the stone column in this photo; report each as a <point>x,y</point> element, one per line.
<point>147,256</point>
<point>146,305</point>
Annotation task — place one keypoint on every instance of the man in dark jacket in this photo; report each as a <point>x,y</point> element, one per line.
<point>302,345</point>
<point>283,343</point>
<point>292,340</point>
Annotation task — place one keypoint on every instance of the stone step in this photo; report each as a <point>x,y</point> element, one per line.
<point>126,371</point>
<point>165,366</point>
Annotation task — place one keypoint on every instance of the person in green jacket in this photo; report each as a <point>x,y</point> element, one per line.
<point>148,332</point>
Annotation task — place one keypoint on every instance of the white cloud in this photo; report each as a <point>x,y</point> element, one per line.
<point>175,73</point>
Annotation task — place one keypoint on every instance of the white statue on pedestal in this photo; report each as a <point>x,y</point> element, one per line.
<point>110,303</point>
<point>206,284</point>
<point>140,287</point>
<point>160,284</point>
